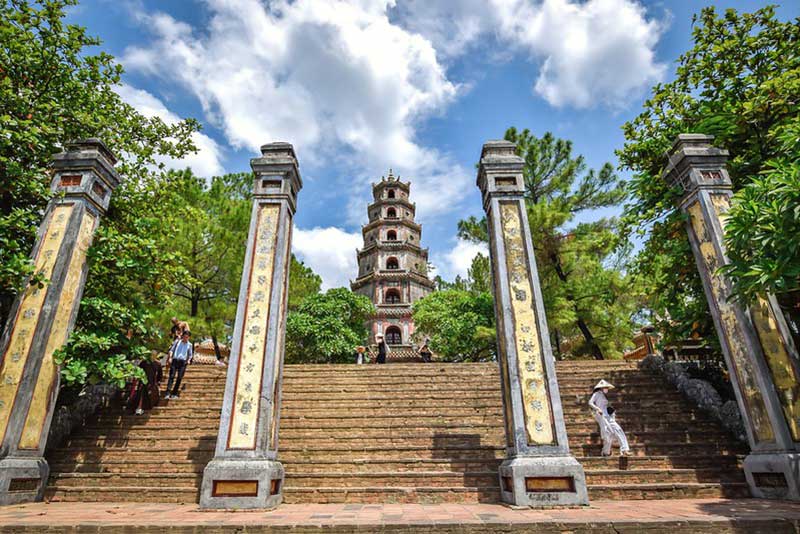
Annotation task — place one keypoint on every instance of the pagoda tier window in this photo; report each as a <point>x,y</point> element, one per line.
<point>392,296</point>
<point>391,235</point>
<point>392,263</point>
<point>390,193</point>
<point>391,212</point>
<point>393,336</point>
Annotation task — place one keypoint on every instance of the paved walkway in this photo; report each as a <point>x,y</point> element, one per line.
<point>712,515</point>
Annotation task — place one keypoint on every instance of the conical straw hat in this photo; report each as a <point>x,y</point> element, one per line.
<point>603,384</point>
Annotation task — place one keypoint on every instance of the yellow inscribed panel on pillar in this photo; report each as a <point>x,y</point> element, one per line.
<point>780,364</point>
<point>39,407</point>
<point>743,366</point>
<point>530,358</point>
<point>27,318</point>
<point>778,359</point>
<point>250,371</point>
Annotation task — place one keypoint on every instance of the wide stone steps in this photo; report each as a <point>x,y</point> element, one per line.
<point>335,427</point>
<point>644,464</point>
<point>405,433</point>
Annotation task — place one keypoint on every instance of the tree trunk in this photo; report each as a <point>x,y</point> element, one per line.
<point>216,347</point>
<point>596,352</point>
<point>587,334</point>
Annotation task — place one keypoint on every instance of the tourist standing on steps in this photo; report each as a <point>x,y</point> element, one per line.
<point>360,356</point>
<point>383,349</point>
<point>147,395</point>
<point>180,355</point>
<point>610,431</point>
<point>425,352</point>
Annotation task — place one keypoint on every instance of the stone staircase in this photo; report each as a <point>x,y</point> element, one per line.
<point>401,433</point>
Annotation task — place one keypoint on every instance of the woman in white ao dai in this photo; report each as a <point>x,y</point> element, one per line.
<point>610,431</point>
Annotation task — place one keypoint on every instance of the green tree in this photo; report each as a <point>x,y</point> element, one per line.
<point>54,89</point>
<point>303,283</point>
<point>583,294</point>
<point>459,323</point>
<point>132,271</point>
<point>739,82</point>
<point>327,327</point>
<point>762,233</point>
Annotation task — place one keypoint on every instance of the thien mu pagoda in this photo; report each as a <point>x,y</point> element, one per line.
<point>392,265</point>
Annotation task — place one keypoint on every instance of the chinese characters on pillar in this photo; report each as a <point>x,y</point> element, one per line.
<point>743,366</point>
<point>13,362</point>
<point>244,419</point>
<point>37,412</point>
<point>535,397</point>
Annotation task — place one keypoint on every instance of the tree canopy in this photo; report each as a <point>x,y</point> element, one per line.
<point>588,301</point>
<point>739,82</point>
<point>458,318</point>
<point>327,327</point>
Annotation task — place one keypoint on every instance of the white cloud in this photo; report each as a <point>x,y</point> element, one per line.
<point>457,260</point>
<point>330,252</point>
<point>592,52</point>
<point>206,162</point>
<point>600,51</point>
<point>335,78</point>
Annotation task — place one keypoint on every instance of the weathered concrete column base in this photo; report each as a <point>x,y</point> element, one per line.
<point>543,481</point>
<point>773,476</point>
<point>22,479</point>
<point>241,484</point>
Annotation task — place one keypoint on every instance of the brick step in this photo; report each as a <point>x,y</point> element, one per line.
<point>291,425</point>
<point>297,475</point>
<point>430,437</point>
<point>424,392</point>
<point>662,476</point>
<point>662,449</point>
<point>177,481</point>
<point>399,495</point>
<point>493,383</point>
<point>324,420</point>
<point>646,436</point>
<point>291,495</point>
<point>343,480</point>
<point>151,464</point>
<point>336,465</point>
<point>141,493</point>
<point>732,462</point>
<point>706,490</point>
<point>295,495</point>
<point>299,431</point>
<point>205,450</point>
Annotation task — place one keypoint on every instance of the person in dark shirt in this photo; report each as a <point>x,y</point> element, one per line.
<point>425,352</point>
<point>148,395</point>
<point>383,349</point>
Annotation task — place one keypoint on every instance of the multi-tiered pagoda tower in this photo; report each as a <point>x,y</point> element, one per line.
<point>392,266</point>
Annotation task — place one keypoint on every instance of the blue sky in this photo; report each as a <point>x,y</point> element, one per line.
<point>359,86</point>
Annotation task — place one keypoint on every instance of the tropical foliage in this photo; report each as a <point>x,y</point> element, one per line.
<point>589,302</point>
<point>739,82</point>
<point>327,327</point>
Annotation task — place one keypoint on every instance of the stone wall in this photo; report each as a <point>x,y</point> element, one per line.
<point>699,392</point>
<point>72,415</point>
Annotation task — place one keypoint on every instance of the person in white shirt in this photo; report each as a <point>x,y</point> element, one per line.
<point>610,431</point>
<point>180,355</point>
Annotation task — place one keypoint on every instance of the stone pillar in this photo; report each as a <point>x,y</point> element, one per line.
<point>245,473</point>
<point>41,319</point>
<point>756,342</point>
<point>539,469</point>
